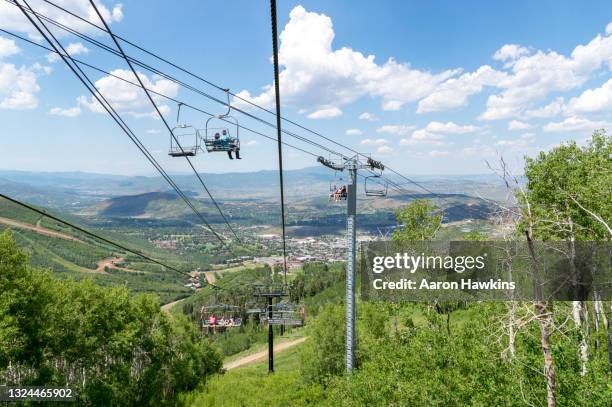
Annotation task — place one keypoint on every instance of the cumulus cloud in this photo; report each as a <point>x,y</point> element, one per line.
<point>18,87</point>
<point>8,47</point>
<point>455,92</point>
<point>526,79</point>
<point>384,150</point>
<point>574,124</point>
<point>13,20</point>
<point>422,136</point>
<point>510,52</point>
<point>512,143</point>
<point>550,110</point>
<point>435,132</point>
<point>325,113</point>
<point>518,125</point>
<point>70,112</point>
<point>592,100</point>
<point>368,116</point>
<point>396,129</point>
<point>450,128</point>
<point>128,99</point>
<point>353,132</point>
<point>74,48</point>
<point>313,73</point>
<point>535,76</point>
<point>374,142</point>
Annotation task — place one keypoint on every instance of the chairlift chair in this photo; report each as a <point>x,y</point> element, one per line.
<point>184,141</point>
<point>221,133</point>
<point>226,316</point>
<point>371,190</point>
<point>338,190</point>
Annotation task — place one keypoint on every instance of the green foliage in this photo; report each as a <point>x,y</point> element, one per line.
<point>252,386</point>
<point>111,348</point>
<point>323,353</point>
<point>566,184</point>
<point>419,222</point>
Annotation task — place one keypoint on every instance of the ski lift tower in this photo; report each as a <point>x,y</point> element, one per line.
<point>270,291</point>
<point>352,165</point>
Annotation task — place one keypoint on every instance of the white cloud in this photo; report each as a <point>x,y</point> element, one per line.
<point>129,99</point>
<point>315,74</point>
<point>455,92</point>
<point>250,143</point>
<point>17,87</point>
<point>435,132</point>
<point>8,47</point>
<point>480,151</point>
<point>437,153</point>
<point>512,143</point>
<point>528,136</point>
<point>518,125</point>
<point>353,132</point>
<point>368,116</point>
<point>526,79</point>
<point>592,100</point>
<point>550,110</point>
<point>536,75</point>
<point>383,150</point>
<point>13,20</point>
<point>374,142</point>
<point>574,124</point>
<point>510,52</point>
<point>74,48</point>
<point>397,129</point>
<point>70,112</point>
<point>153,131</point>
<point>422,136</point>
<point>450,128</point>
<point>326,113</point>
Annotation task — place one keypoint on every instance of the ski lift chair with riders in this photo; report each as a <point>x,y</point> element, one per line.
<point>219,137</point>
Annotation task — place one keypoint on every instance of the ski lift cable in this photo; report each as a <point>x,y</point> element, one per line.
<point>394,185</point>
<point>231,93</point>
<point>176,81</point>
<point>161,116</point>
<point>114,115</point>
<point>145,66</point>
<point>93,235</point>
<point>93,67</point>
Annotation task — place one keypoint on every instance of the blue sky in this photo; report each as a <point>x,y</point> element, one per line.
<point>432,87</point>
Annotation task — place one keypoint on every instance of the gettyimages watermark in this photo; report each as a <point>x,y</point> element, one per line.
<point>486,271</point>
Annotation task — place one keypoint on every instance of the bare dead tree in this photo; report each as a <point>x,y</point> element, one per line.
<point>543,309</point>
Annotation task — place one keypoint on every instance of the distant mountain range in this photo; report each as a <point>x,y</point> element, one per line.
<point>117,195</point>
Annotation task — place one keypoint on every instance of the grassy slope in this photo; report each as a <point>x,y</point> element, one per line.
<point>253,386</point>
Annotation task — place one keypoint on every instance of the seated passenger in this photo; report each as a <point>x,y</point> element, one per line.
<point>220,143</point>
<point>232,146</point>
<point>212,320</point>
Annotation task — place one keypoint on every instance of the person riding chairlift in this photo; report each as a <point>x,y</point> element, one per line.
<point>226,143</point>
<point>232,146</point>
<point>340,193</point>
<point>212,320</point>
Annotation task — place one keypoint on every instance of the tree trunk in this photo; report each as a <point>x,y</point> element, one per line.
<point>545,320</point>
<point>511,329</point>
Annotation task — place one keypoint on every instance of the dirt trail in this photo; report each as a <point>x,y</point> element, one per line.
<point>210,277</point>
<point>259,356</point>
<point>39,229</point>
<point>168,306</point>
